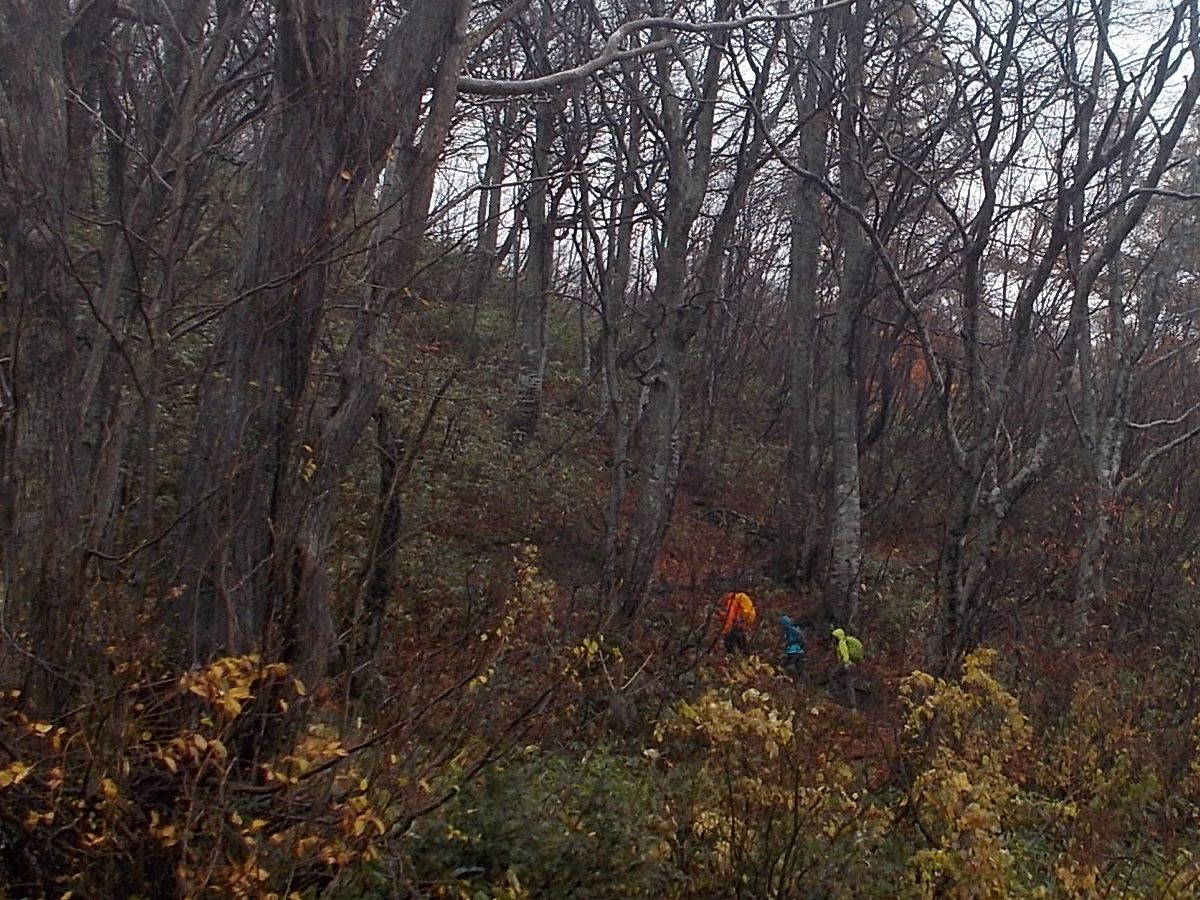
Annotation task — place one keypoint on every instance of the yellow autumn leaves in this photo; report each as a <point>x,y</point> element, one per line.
<point>14,774</point>
<point>228,683</point>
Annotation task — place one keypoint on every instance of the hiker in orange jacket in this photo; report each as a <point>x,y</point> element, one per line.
<point>737,615</point>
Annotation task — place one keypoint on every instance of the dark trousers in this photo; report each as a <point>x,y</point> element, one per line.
<point>793,664</point>
<point>735,641</point>
<point>843,685</point>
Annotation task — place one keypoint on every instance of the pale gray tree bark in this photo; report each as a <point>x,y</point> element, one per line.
<point>678,312</point>
<point>1132,316</point>
<point>689,168</point>
<point>534,310</point>
<point>615,247</point>
<point>854,288</point>
<point>813,99</point>
<point>1129,317</point>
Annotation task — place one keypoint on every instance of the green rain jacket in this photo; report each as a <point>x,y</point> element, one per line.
<point>849,648</point>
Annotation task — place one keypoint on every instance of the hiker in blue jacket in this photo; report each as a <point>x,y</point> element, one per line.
<point>793,646</point>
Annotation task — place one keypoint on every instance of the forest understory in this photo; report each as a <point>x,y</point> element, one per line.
<point>392,392</point>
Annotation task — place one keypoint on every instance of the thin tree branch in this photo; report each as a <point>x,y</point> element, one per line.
<point>611,51</point>
<point>1151,458</point>
<point>1158,423</point>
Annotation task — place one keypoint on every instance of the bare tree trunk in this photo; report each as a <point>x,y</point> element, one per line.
<point>47,472</point>
<point>367,631</point>
<point>614,283</point>
<point>440,38</point>
<point>1106,393</point>
<point>658,465</point>
<point>845,511</point>
<point>845,533</point>
<point>811,101</point>
<point>659,459</point>
<point>490,198</point>
<point>679,317</point>
<point>1104,428</point>
<point>1090,581</point>
<point>612,249</point>
<point>985,495</point>
<point>260,477</point>
<point>534,305</point>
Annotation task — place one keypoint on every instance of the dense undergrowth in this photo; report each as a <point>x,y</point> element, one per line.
<point>515,742</point>
<point>745,783</point>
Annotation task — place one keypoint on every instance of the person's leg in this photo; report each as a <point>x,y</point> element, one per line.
<point>845,685</point>
<point>731,641</point>
<point>735,641</point>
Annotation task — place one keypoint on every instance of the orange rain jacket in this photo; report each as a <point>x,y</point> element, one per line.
<point>737,609</point>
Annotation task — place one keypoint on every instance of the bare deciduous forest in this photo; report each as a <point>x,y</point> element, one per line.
<point>396,395</point>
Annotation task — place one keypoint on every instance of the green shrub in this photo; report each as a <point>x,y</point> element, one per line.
<point>553,826</point>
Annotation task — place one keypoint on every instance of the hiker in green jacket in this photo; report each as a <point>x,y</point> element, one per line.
<point>849,648</point>
<point>849,651</point>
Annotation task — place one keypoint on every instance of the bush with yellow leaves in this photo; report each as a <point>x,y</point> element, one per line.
<point>965,742</point>
<point>231,781</point>
<point>767,805</point>
<point>756,787</point>
<point>157,803</point>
